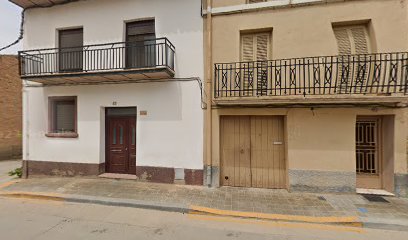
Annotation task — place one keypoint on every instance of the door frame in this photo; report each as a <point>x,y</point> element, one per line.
<point>250,113</point>
<point>380,152</point>
<point>107,134</point>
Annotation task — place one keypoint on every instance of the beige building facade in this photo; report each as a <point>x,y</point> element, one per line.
<point>283,116</point>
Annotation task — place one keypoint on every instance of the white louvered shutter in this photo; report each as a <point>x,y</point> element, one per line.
<point>254,47</point>
<point>360,39</point>
<point>343,41</point>
<point>247,56</point>
<point>352,40</point>
<point>262,50</point>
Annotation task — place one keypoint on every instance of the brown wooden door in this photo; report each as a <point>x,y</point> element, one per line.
<point>121,145</point>
<point>252,152</point>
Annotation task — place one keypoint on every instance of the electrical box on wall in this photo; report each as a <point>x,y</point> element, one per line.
<point>143,113</point>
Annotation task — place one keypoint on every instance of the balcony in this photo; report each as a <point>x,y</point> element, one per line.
<point>366,78</point>
<point>111,62</point>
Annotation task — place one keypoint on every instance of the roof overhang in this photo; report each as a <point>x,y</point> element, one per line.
<point>39,3</point>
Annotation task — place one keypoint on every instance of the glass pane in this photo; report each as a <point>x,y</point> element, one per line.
<point>114,136</point>
<point>133,135</point>
<point>121,111</point>
<point>121,135</point>
<point>64,116</point>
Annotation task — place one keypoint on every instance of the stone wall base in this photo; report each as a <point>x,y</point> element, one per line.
<point>143,173</point>
<point>63,169</point>
<point>401,185</point>
<point>322,181</point>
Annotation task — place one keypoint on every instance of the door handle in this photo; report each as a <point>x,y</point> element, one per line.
<point>116,150</point>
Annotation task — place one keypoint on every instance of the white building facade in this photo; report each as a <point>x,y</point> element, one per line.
<point>114,87</point>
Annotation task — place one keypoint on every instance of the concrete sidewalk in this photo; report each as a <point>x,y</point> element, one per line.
<point>240,202</point>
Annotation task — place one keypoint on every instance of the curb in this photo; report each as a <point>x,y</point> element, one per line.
<point>97,200</point>
<point>279,217</point>
<point>180,208</point>
<point>352,221</point>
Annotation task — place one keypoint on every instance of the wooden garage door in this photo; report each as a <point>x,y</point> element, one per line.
<point>252,151</point>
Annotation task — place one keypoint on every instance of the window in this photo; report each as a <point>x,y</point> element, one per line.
<point>62,117</point>
<point>255,47</point>
<point>141,44</point>
<point>352,39</point>
<point>71,50</point>
<point>255,51</point>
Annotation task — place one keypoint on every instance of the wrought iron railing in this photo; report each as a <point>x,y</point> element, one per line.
<point>152,53</point>
<point>379,74</point>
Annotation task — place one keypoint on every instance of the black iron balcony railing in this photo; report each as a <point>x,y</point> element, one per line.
<point>152,53</point>
<point>378,74</point>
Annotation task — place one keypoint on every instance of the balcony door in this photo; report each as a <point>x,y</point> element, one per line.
<point>140,44</point>
<point>353,71</point>
<point>255,51</point>
<point>71,44</point>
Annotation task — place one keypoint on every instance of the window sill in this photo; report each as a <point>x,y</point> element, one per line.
<point>62,135</point>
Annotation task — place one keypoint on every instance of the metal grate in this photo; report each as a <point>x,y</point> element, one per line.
<point>375,198</point>
<point>367,146</point>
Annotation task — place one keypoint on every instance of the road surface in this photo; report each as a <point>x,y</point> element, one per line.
<point>43,219</point>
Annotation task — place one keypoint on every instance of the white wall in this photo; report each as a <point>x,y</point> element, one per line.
<point>103,21</point>
<point>171,135</point>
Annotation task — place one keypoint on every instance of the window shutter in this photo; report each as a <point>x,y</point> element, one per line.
<point>360,40</point>
<point>65,117</point>
<point>343,41</point>
<point>248,48</point>
<point>255,47</point>
<point>352,40</point>
<point>262,41</point>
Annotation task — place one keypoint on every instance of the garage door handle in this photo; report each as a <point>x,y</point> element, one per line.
<point>277,143</point>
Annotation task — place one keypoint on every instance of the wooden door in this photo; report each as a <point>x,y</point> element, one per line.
<point>235,151</point>
<point>121,145</point>
<point>267,152</point>
<point>132,145</point>
<point>252,151</point>
<point>368,153</point>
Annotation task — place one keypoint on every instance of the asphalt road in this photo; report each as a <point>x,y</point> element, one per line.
<point>43,219</point>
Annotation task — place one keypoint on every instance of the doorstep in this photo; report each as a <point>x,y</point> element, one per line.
<point>374,192</point>
<point>118,176</point>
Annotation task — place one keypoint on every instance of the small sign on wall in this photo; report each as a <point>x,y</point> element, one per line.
<point>143,113</point>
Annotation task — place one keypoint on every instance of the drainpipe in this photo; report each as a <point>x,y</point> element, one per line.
<point>208,84</point>
<point>26,127</point>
